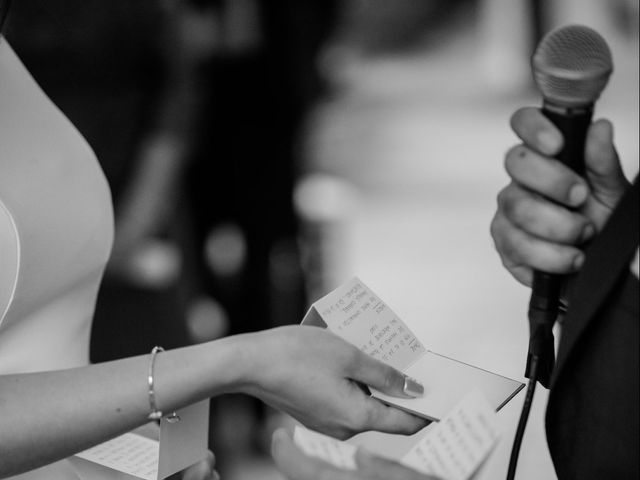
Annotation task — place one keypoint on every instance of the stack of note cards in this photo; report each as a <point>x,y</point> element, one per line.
<point>451,450</point>
<point>360,317</point>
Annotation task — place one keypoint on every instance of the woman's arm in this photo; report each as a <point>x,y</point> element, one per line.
<point>305,371</point>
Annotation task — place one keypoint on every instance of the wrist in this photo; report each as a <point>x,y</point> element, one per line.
<point>259,353</point>
<point>239,362</point>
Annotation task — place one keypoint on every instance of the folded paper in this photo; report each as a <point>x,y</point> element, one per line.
<point>133,456</point>
<point>356,314</point>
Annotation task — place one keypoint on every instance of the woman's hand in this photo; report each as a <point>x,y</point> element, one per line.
<point>297,466</point>
<point>317,378</point>
<point>548,212</point>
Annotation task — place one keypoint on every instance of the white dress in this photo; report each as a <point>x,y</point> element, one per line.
<point>56,231</point>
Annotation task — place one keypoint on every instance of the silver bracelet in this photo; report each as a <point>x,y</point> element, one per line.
<point>156,414</point>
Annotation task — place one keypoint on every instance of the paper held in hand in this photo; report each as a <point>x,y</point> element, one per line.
<point>135,457</point>
<point>356,314</point>
<point>452,449</point>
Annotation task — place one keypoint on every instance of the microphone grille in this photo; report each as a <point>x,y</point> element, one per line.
<point>571,66</point>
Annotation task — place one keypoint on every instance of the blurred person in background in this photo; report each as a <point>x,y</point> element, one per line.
<point>56,232</point>
<point>125,74</point>
<point>259,80</point>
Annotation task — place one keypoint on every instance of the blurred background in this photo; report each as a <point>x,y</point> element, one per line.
<point>262,153</point>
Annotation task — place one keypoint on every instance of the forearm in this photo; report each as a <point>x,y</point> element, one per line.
<point>51,415</point>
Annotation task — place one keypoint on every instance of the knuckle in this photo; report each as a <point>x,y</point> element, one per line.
<point>501,197</point>
<point>390,379</point>
<point>505,196</point>
<point>495,230</point>
<point>517,118</point>
<point>515,154</point>
<point>365,418</point>
<point>516,249</point>
<point>568,231</point>
<point>353,358</point>
<point>511,205</point>
<point>560,259</point>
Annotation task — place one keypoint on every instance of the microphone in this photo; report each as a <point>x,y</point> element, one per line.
<point>571,67</point>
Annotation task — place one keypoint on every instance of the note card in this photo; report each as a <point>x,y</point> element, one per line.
<point>314,444</point>
<point>452,449</point>
<point>133,456</point>
<point>455,447</point>
<point>130,453</point>
<point>359,316</point>
<point>356,314</point>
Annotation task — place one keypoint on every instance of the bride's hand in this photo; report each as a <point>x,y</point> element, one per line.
<point>317,378</point>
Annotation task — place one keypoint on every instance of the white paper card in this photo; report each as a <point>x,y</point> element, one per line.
<point>130,453</point>
<point>335,452</point>
<point>356,314</point>
<point>457,445</point>
<point>132,456</point>
<point>453,449</point>
<point>447,382</point>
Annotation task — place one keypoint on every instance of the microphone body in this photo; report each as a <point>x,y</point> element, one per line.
<point>544,304</point>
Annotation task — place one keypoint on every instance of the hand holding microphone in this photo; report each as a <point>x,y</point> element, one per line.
<point>548,211</point>
<point>566,178</point>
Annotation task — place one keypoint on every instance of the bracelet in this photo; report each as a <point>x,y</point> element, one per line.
<point>156,414</point>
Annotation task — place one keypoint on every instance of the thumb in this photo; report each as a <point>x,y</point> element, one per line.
<point>385,378</point>
<point>603,169</point>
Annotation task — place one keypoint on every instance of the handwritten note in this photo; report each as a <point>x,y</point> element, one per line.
<point>314,444</point>
<point>455,447</point>
<point>135,456</point>
<point>129,453</point>
<point>356,314</point>
<point>452,450</point>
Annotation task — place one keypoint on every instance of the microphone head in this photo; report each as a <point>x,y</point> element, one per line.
<point>571,66</point>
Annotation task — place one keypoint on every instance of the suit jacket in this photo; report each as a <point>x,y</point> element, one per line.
<point>592,421</point>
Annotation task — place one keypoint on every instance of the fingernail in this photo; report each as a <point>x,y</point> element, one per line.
<point>548,142</point>
<point>412,387</point>
<point>578,261</point>
<point>587,233</point>
<point>578,194</point>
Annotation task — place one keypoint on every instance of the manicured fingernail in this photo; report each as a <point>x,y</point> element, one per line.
<point>587,233</point>
<point>549,142</point>
<point>412,387</point>
<point>578,261</point>
<point>578,194</point>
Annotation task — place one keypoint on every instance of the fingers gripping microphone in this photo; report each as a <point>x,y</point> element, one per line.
<point>571,67</point>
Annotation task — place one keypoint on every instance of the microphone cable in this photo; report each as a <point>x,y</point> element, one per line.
<point>544,307</point>
<point>524,416</point>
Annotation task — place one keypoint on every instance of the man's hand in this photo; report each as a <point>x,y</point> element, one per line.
<point>548,212</point>
<point>295,465</point>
